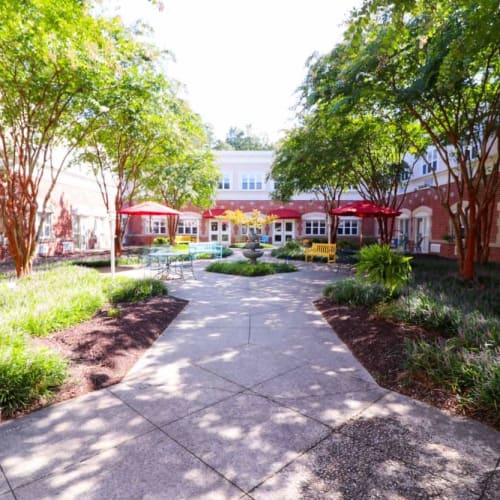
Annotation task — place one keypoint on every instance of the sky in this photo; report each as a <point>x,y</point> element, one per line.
<point>241,61</point>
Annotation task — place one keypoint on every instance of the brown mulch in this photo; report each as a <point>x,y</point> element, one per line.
<point>102,350</point>
<point>378,344</point>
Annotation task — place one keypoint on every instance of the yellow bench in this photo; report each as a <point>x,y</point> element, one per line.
<point>328,250</point>
<point>185,239</point>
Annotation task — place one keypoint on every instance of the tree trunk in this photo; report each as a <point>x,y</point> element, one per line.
<point>173,222</point>
<point>22,251</point>
<point>470,245</point>
<point>118,236</point>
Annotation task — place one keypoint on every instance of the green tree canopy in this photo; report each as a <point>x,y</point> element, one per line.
<point>54,56</point>
<point>184,172</point>
<point>439,62</point>
<point>244,140</point>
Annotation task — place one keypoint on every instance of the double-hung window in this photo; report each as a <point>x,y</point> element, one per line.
<point>46,229</point>
<point>315,227</point>
<point>225,182</point>
<point>187,226</point>
<point>348,227</point>
<point>155,225</point>
<point>251,182</point>
<point>431,164</point>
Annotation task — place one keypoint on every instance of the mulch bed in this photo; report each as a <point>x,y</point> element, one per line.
<point>102,350</point>
<point>378,344</point>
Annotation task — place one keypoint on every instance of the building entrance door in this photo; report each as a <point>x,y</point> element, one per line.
<point>220,232</point>
<point>422,234</point>
<point>283,231</point>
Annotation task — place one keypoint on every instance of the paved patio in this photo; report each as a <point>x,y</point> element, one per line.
<point>248,394</point>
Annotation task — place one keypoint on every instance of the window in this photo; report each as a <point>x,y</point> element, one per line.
<point>431,165</point>
<point>245,229</point>
<point>46,230</point>
<point>315,228</point>
<point>348,228</point>
<point>187,227</point>
<point>155,225</point>
<point>472,153</point>
<point>225,182</point>
<point>251,182</point>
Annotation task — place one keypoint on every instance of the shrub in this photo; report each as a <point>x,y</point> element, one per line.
<point>133,290</point>
<point>290,250</point>
<point>161,240</point>
<point>473,375</point>
<point>226,252</point>
<point>355,292</point>
<point>244,268</point>
<point>384,267</point>
<point>347,244</point>
<point>26,374</point>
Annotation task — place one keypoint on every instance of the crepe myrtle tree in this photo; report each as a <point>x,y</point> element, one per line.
<point>256,220</point>
<point>438,61</point>
<point>311,159</point>
<point>128,141</point>
<point>184,172</point>
<point>49,70</point>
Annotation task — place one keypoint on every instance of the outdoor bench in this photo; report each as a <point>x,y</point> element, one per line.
<point>185,238</point>
<point>328,250</point>
<point>214,249</point>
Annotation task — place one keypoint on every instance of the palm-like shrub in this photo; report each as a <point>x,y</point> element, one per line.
<point>380,265</point>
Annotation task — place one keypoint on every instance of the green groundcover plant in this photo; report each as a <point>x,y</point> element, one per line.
<point>466,359</point>
<point>290,250</point>
<point>244,268</point>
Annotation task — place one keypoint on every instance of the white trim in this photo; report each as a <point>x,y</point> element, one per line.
<point>422,211</point>
<point>190,216</point>
<point>314,216</point>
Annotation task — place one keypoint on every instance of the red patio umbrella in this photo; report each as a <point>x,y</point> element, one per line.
<point>145,208</point>
<point>364,209</point>
<point>149,208</point>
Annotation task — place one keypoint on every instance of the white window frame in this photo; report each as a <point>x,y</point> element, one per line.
<point>252,182</point>
<point>224,182</point>
<point>245,229</point>
<point>431,162</point>
<point>155,225</point>
<point>315,227</point>
<point>187,227</point>
<point>46,228</point>
<point>348,227</point>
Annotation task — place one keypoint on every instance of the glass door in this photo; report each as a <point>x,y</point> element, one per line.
<point>422,234</point>
<point>289,230</point>
<point>278,232</point>
<point>283,231</point>
<point>220,232</point>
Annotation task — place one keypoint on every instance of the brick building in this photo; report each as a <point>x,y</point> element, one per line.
<point>76,218</point>
<point>423,225</point>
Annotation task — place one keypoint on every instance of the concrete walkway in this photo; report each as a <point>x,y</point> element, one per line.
<point>248,394</point>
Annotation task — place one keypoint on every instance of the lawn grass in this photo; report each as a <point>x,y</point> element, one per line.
<point>244,268</point>
<point>45,302</point>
